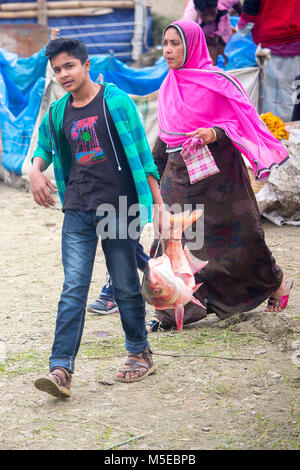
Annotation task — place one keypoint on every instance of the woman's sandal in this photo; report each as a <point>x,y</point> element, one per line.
<point>279,302</point>
<point>57,383</point>
<point>134,365</point>
<point>153,325</point>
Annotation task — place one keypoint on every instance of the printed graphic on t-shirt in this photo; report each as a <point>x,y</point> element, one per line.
<point>87,147</point>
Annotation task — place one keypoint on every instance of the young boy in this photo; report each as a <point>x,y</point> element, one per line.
<point>96,141</point>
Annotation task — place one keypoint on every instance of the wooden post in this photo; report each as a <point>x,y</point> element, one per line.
<point>137,40</point>
<point>42,12</point>
<point>262,56</point>
<point>261,78</point>
<point>68,5</point>
<point>58,13</point>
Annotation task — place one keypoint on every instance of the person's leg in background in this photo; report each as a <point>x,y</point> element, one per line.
<point>106,303</point>
<point>279,85</point>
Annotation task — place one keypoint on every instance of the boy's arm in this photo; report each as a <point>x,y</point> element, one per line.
<point>40,184</point>
<point>161,220</point>
<point>41,159</point>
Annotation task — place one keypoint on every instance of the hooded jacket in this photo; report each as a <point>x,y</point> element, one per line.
<point>54,148</point>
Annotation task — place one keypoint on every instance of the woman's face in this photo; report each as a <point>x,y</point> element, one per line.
<point>173,49</point>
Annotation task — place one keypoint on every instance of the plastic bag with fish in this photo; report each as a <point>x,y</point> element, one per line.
<point>169,279</point>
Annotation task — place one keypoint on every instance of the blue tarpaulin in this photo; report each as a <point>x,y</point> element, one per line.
<point>240,50</point>
<point>134,81</point>
<point>22,83</point>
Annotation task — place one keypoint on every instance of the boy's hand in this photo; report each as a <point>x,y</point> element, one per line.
<point>39,186</point>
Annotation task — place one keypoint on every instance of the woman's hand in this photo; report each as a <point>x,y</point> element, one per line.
<point>208,135</point>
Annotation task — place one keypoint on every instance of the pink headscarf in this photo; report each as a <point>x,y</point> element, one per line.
<point>201,95</point>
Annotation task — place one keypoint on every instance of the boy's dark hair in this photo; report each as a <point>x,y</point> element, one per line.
<point>71,46</point>
<point>202,5</point>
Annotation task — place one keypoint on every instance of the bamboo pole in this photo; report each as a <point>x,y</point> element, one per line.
<point>58,13</point>
<point>68,5</point>
<point>137,40</point>
<point>42,12</point>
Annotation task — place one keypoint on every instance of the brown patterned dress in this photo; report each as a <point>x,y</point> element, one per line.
<point>241,273</point>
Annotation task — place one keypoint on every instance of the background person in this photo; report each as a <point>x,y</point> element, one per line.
<point>276,25</point>
<point>214,18</point>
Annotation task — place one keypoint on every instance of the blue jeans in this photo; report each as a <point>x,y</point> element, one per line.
<point>141,258</point>
<point>79,243</point>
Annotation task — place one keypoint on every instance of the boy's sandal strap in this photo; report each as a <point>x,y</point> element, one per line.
<point>63,379</point>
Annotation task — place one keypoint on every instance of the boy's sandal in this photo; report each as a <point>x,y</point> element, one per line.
<point>57,383</point>
<point>134,365</point>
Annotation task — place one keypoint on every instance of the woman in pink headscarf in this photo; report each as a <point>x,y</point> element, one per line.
<point>205,113</point>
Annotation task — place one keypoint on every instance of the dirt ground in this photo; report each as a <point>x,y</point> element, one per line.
<point>220,385</point>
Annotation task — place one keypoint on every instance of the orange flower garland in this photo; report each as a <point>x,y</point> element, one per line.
<point>275,125</point>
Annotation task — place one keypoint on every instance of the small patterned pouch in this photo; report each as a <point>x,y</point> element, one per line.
<point>198,159</point>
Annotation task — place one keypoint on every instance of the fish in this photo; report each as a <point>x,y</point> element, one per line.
<point>169,280</point>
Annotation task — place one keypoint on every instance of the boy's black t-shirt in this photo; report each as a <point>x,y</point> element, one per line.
<point>95,177</point>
